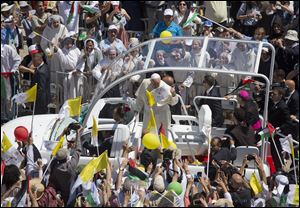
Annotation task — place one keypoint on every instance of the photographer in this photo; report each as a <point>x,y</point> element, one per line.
<point>63,170</point>
<point>219,153</point>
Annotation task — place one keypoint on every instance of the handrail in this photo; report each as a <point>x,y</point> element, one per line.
<point>144,71</point>
<point>211,98</point>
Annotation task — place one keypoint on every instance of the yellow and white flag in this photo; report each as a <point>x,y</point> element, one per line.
<point>255,184</point>
<point>150,97</point>
<point>58,146</point>
<point>93,167</point>
<point>94,136</point>
<point>9,153</point>
<point>71,108</point>
<point>26,97</point>
<point>5,145</point>
<point>293,195</point>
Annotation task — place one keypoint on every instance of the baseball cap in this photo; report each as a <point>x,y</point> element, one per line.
<point>282,181</point>
<point>168,12</point>
<point>112,27</point>
<point>208,23</point>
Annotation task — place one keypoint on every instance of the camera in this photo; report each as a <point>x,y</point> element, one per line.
<point>73,126</point>
<point>250,157</point>
<point>168,154</point>
<point>196,177</point>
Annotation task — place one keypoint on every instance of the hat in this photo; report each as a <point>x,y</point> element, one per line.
<point>159,184</point>
<point>168,12</point>
<point>133,42</point>
<point>244,95</point>
<point>62,154</point>
<point>208,23</point>
<point>5,7</point>
<point>33,49</point>
<point>21,133</point>
<point>155,76</point>
<point>292,35</point>
<point>112,27</point>
<point>265,49</point>
<point>37,187</point>
<point>70,34</point>
<point>115,3</point>
<point>23,4</point>
<point>282,181</point>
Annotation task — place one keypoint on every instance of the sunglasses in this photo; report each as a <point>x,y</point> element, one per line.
<point>182,4</point>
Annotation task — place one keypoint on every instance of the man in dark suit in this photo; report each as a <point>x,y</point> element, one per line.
<point>279,116</point>
<point>292,100</point>
<point>42,78</point>
<point>215,105</point>
<point>222,153</point>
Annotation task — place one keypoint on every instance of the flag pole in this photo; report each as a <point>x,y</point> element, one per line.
<point>33,110</point>
<point>47,168</point>
<point>226,28</point>
<point>293,156</point>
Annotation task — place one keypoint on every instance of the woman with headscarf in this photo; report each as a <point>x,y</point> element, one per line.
<point>68,58</point>
<point>54,32</point>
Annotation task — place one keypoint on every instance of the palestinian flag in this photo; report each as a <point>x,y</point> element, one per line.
<point>89,9</point>
<point>75,10</point>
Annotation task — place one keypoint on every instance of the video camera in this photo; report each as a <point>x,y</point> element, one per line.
<point>72,126</point>
<point>167,156</point>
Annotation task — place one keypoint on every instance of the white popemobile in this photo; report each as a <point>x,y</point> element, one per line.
<point>191,138</point>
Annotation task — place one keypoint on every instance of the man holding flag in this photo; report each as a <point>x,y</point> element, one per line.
<point>40,91</point>
<point>63,170</point>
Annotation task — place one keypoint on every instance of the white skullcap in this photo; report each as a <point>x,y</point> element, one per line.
<point>265,49</point>
<point>155,76</point>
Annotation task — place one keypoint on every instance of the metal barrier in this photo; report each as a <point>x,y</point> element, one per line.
<point>212,98</point>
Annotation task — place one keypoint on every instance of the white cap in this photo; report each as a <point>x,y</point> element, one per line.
<point>265,49</point>
<point>155,76</point>
<point>33,49</point>
<point>168,12</point>
<point>282,181</point>
<point>115,3</point>
<point>70,34</point>
<point>292,35</point>
<point>23,4</point>
<point>133,42</point>
<point>112,27</point>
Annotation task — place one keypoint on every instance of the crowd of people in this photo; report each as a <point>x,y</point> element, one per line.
<point>73,48</point>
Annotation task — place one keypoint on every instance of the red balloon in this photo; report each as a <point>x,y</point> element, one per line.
<point>21,133</point>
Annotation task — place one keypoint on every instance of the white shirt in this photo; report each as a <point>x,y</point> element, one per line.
<point>208,91</point>
<point>10,59</point>
<point>68,58</point>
